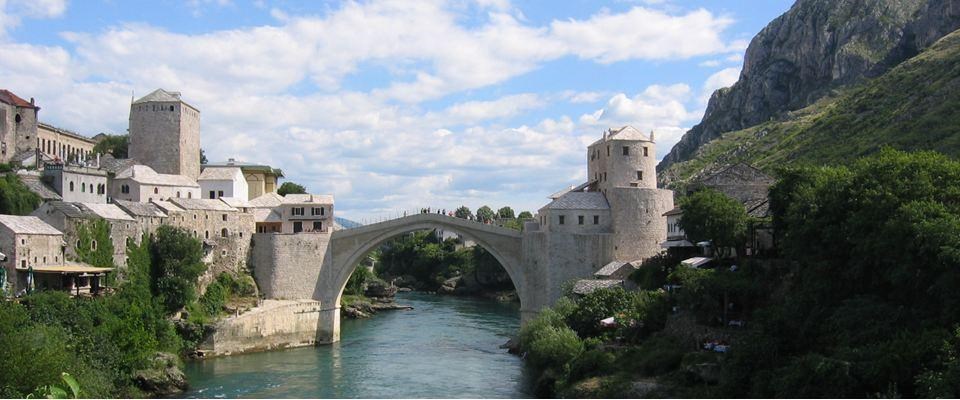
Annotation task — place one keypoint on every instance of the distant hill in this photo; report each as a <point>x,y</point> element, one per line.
<point>914,106</point>
<point>346,223</point>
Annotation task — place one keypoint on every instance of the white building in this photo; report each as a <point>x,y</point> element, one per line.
<point>306,213</point>
<point>223,182</point>
<point>76,183</point>
<point>142,184</point>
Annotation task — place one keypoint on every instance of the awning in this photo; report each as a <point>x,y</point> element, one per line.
<point>676,243</point>
<point>696,262</point>
<point>67,269</point>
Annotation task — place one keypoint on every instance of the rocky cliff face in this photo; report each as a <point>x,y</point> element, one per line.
<point>813,48</point>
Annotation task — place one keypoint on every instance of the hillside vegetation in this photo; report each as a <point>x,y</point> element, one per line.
<point>915,106</point>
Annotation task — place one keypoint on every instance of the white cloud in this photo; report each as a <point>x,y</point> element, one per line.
<point>720,79</point>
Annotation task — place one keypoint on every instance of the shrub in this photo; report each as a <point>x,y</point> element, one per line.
<point>657,355</point>
<point>554,347</point>
<point>595,362</point>
<point>177,264</point>
<point>600,304</point>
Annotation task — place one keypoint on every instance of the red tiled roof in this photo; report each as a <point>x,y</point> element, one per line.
<point>8,97</point>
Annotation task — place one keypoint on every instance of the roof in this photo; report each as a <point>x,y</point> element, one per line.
<point>235,202</point>
<point>580,201</point>
<point>758,208</point>
<point>8,97</point>
<point>143,174</point>
<point>266,215</point>
<point>676,243</point>
<point>72,210</point>
<point>577,188</point>
<point>267,200</point>
<point>674,211</point>
<point>114,165</point>
<point>220,174</point>
<point>140,209</point>
<point>627,133</point>
<point>161,95</point>
<point>69,267</point>
<point>202,204</point>
<point>107,211</point>
<point>587,286</point>
<point>28,225</point>
<point>612,268</point>
<point>36,185</point>
<point>696,262</point>
<point>246,167</point>
<point>308,199</point>
<point>167,206</point>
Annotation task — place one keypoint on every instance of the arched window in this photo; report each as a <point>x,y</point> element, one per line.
<point>223,232</point>
<point>83,187</point>
<point>206,234</point>
<point>171,108</point>
<point>189,195</point>
<point>18,118</point>
<point>71,186</point>
<point>93,245</point>
<point>156,190</point>
<point>178,194</point>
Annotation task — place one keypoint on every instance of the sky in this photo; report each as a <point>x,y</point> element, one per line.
<point>389,105</point>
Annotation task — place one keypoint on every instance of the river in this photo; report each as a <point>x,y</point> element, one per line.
<point>444,347</point>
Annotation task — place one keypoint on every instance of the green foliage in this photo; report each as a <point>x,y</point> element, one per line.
<point>357,283</point>
<point>592,362</point>
<point>291,188</point>
<point>709,215</point>
<point>505,212</point>
<point>94,245</point>
<point>463,212</point>
<point>600,304</point>
<point>115,145</point>
<point>216,295</point>
<point>56,392</point>
<point>15,197</point>
<point>554,347</point>
<point>485,213</point>
<point>657,355</point>
<point>177,263</point>
<point>525,215</point>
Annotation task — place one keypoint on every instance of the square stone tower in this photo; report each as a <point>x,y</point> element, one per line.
<point>165,134</point>
<point>18,125</point>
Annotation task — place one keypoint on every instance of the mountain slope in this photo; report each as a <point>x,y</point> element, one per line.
<point>812,49</point>
<point>915,105</point>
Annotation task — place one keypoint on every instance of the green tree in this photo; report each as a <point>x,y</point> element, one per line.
<point>16,198</point>
<point>115,145</point>
<point>177,263</point>
<point>463,212</point>
<point>505,212</point>
<point>525,215</point>
<point>485,214</point>
<point>291,188</point>
<point>709,215</point>
<point>94,245</point>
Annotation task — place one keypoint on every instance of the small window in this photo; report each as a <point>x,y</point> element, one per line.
<point>297,227</point>
<point>561,220</point>
<point>224,217</point>
<point>219,194</point>
<point>579,220</point>
<point>213,194</point>
<point>93,245</point>
<point>23,263</point>
<point>178,194</point>
<point>223,232</point>
<point>189,195</point>
<point>596,219</point>
<point>608,150</point>
<point>156,190</point>
<point>18,118</point>
<point>206,234</point>
<point>44,259</point>
<point>639,175</point>
<point>71,186</point>
<point>83,187</point>
<point>171,108</point>
<point>23,241</point>
<point>626,150</point>
<point>604,176</point>
<point>644,151</point>
<point>317,226</point>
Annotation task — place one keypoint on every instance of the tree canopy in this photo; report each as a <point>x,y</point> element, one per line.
<point>291,188</point>
<point>463,212</point>
<point>505,212</point>
<point>709,215</point>
<point>485,213</point>
<point>115,145</point>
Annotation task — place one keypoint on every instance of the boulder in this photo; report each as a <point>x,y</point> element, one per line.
<point>380,289</point>
<point>163,377</point>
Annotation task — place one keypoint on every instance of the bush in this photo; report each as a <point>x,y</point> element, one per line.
<point>600,304</point>
<point>657,355</point>
<point>15,197</point>
<point>595,362</point>
<point>176,266</point>
<point>213,300</point>
<point>554,347</point>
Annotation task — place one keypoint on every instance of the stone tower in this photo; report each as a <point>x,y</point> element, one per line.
<point>165,134</point>
<point>18,125</point>
<point>622,165</point>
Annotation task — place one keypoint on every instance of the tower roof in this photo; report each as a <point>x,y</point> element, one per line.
<point>8,97</point>
<point>161,95</point>
<point>627,133</point>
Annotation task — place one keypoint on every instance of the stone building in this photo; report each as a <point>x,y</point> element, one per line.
<point>67,217</point>
<point>261,179</point>
<point>266,212</point>
<point>223,182</point>
<point>142,184</point>
<point>76,183</point>
<point>617,215</point>
<point>64,145</point>
<point>149,217</point>
<point>18,125</point>
<point>165,134</point>
<point>306,213</point>
<point>27,242</point>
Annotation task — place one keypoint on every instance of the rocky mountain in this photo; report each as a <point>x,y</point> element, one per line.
<point>809,52</point>
<point>914,106</point>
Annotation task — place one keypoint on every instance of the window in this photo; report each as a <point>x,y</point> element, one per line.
<point>23,241</point>
<point>224,217</point>
<point>639,175</point>
<point>171,108</point>
<point>219,194</point>
<point>297,227</point>
<point>604,176</point>
<point>561,220</point>
<point>71,186</point>
<point>124,188</point>
<point>223,232</point>
<point>18,118</point>
<point>213,194</point>
<point>156,190</point>
<point>626,150</point>
<point>93,245</point>
<point>317,226</point>
<point>189,195</point>
<point>316,211</point>
<point>296,211</point>
<point>579,220</point>
<point>608,150</point>
<point>206,234</point>
<point>23,263</point>
<point>644,151</point>
<point>83,187</point>
<point>596,219</point>
<point>178,194</point>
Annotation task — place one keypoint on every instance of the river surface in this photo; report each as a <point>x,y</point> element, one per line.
<point>444,347</point>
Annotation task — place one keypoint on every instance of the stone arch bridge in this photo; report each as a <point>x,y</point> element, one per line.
<point>286,265</point>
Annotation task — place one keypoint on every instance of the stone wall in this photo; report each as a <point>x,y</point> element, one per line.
<point>275,324</point>
<point>559,259</point>
<point>166,137</point>
<point>638,221</point>
<point>224,253</point>
<point>287,266</point>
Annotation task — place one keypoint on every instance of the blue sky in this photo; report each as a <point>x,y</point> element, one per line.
<point>389,105</point>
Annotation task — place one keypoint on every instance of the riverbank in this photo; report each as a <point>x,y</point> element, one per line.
<point>274,324</point>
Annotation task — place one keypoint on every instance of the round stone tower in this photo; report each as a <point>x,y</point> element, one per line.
<point>165,134</point>
<point>622,165</point>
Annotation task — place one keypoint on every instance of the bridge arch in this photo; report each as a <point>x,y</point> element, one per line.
<point>347,247</point>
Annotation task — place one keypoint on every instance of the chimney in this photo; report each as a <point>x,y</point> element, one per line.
<point>651,135</point>
<point>31,101</point>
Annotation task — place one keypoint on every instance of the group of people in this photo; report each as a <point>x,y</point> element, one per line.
<point>429,210</point>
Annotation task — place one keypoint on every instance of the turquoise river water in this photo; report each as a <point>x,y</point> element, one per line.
<point>444,347</point>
